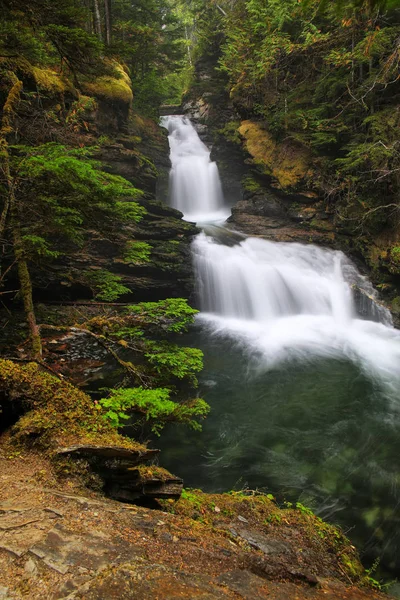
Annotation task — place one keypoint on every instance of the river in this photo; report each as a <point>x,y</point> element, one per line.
<point>304,392</point>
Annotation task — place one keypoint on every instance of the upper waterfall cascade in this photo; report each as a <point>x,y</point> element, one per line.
<point>195,186</point>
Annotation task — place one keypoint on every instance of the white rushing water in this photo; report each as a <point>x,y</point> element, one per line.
<point>289,300</point>
<point>284,300</point>
<point>195,186</point>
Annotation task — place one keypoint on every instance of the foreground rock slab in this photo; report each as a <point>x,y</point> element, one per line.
<point>59,540</point>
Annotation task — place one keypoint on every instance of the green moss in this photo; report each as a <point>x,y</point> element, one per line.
<point>58,413</point>
<point>321,225</point>
<point>287,162</point>
<point>396,305</point>
<point>147,473</point>
<point>395,254</point>
<point>250,184</point>
<point>261,510</point>
<point>50,81</point>
<point>352,565</point>
<point>113,89</point>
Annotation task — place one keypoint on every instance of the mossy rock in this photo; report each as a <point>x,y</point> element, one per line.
<point>255,517</point>
<point>396,305</point>
<point>112,89</point>
<point>287,162</point>
<point>51,82</point>
<point>57,413</point>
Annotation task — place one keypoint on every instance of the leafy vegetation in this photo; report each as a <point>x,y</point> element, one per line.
<point>145,329</point>
<point>172,315</point>
<point>105,285</point>
<point>69,191</point>
<point>317,80</point>
<point>156,405</point>
<point>165,370</point>
<point>137,252</point>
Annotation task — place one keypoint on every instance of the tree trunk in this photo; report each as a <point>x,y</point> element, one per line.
<point>188,46</point>
<point>97,19</point>
<point>11,209</point>
<point>108,23</point>
<point>25,286</point>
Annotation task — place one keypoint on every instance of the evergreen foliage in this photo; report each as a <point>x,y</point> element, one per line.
<point>167,370</point>
<point>173,315</point>
<point>146,329</point>
<point>137,252</point>
<point>325,75</point>
<point>156,406</point>
<point>61,191</point>
<point>106,286</point>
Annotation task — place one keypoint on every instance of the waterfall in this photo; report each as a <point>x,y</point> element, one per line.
<point>283,300</point>
<point>195,186</point>
<point>302,369</point>
<point>290,301</point>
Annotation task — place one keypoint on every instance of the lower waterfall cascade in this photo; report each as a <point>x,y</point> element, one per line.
<point>304,389</point>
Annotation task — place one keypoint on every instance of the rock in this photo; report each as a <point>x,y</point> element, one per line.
<point>129,486</point>
<point>79,356</point>
<point>30,567</point>
<point>20,528</point>
<point>266,543</point>
<point>369,307</point>
<point>143,580</point>
<point>4,595</point>
<point>107,452</point>
<point>247,585</point>
<point>61,550</point>
<point>121,481</point>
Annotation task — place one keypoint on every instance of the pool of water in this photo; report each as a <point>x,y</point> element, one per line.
<point>319,430</point>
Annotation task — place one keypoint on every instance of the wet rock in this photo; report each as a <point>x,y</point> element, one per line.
<point>79,356</point>
<point>299,216</point>
<point>267,544</point>
<point>128,486</point>
<point>370,308</point>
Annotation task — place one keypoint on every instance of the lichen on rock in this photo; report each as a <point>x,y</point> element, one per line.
<point>288,162</point>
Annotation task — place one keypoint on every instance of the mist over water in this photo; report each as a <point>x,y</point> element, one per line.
<point>302,370</point>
